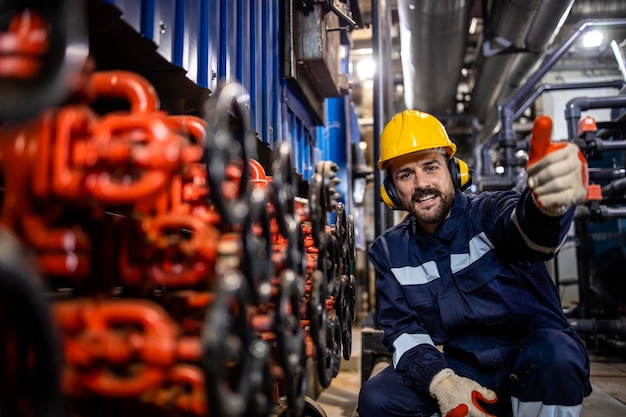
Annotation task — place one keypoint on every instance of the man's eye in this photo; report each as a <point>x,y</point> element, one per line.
<point>403,175</point>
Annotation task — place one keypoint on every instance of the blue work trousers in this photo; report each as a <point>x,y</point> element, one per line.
<point>550,368</point>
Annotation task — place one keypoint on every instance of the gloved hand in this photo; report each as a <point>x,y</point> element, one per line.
<point>557,171</point>
<point>458,396</point>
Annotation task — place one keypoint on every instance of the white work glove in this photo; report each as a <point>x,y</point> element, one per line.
<point>557,171</point>
<point>458,396</point>
<point>558,180</point>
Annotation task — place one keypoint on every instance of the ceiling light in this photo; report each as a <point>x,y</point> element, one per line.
<point>592,39</point>
<point>365,69</point>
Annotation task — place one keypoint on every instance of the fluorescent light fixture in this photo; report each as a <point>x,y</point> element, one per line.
<point>592,39</point>
<point>365,69</point>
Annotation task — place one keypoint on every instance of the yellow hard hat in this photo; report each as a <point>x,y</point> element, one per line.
<point>412,131</point>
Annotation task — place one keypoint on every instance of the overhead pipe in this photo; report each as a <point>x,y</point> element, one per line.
<point>549,22</point>
<point>433,36</point>
<point>510,21</point>
<point>544,28</point>
<point>506,111</point>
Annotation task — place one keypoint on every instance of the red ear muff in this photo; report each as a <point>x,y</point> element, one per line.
<point>461,173</point>
<point>389,194</point>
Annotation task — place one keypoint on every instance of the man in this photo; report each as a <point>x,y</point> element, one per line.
<point>467,274</point>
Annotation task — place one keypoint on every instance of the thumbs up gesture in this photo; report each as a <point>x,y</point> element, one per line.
<point>557,171</point>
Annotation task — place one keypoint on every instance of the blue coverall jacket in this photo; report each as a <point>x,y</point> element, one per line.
<point>477,286</point>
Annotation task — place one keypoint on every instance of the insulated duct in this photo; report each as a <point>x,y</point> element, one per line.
<point>498,80</point>
<point>528,25</point>
<point>433,35</point>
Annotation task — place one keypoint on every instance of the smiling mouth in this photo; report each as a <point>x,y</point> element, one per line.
<point>425,195</point>
<point>425,198</point>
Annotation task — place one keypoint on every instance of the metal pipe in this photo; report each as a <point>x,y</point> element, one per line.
<point>516,98</point>
<point>618,84</point>
<point>615,188</point>
<point>575,106</point>
<point>484,153</point>
<point>603,174</point>
<point>593,326</point>
<point>528,25</point>
<point>602,213</point>
<point>506,111</point>
<point>433,32</point>
<point>382,107</point>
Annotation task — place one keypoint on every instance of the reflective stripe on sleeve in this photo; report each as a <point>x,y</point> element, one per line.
<point>407,342</point>
<point>550,250</point>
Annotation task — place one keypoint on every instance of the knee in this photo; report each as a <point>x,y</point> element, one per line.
<point>554,351</point>
<point>551,363</point>
<point>371,400</point>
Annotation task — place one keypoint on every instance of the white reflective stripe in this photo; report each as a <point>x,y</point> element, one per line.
<point>407,342</point>
<point>532,245</point>
<point>416,275</point>
<point>478,246</point>
<point>539,409</point>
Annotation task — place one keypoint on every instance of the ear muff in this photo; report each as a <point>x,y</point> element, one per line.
<point>389,194</point>
<point>460,172</point>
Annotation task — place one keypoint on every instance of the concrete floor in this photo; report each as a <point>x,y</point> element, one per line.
<point>608,377</point>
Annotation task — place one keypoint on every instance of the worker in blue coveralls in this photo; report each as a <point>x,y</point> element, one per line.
<point>467,303</point>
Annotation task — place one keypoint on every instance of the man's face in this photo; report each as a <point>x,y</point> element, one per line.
<point>424,185</point>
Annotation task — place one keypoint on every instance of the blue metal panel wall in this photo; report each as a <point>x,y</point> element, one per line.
<point>163,25</point>
<point>336,140</point>
<point>299,132</point>
<point>189,43</point>
<point>272,68</point>
<point>214,34</point>
<point>256,63</point>
<point>241,40</point>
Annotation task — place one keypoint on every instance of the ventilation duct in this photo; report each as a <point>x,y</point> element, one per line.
<point>433,35</point>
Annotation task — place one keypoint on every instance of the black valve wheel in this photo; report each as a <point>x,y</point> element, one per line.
<point>351,240</point>
<point>234,362</point>
<point>317,211</point>
<point>257,264</point>
<point>331,265</point>
<point>344,305</point>
<point>341,232</point>
<point>229,143</point>
<point>316,310</point>
<point>30,373</point>
<point>65,58</point>
<point>291,342</point>
<point>295,258</point>
<point>333,346</point>
<point>284,187</point>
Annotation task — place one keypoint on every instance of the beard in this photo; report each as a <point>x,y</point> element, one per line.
<point>435,214</point>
